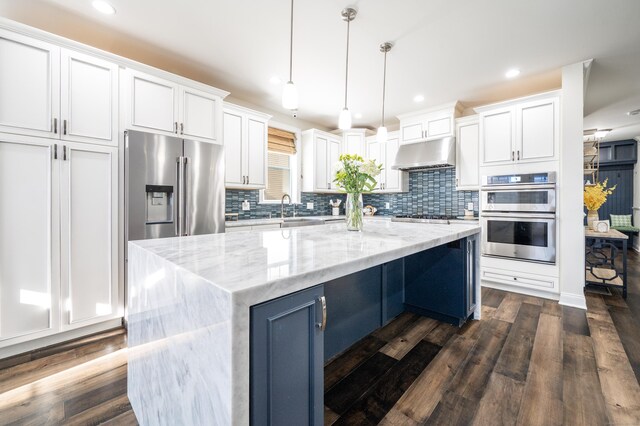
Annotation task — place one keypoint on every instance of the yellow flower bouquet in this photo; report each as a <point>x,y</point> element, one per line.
<point>595,196</point>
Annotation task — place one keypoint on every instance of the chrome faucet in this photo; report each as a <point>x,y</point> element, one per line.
<point>282,204</point>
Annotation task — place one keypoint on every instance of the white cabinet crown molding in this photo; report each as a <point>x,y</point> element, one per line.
<point>228,107</point>
<point>121,61</point>
<point>454,108</point>
<point>513,102</point>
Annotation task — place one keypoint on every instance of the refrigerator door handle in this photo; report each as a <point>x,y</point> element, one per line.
<point>185,195</point>
<point>181,197</point>
<point>178,198</point>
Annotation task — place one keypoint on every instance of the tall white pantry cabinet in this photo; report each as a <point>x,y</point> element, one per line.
<point>60,177</point>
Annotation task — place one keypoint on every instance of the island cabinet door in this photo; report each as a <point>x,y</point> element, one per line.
<point>287,360</point>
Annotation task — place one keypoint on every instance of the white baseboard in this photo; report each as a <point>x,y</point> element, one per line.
<point>573,300</point>
<point>54,339</point>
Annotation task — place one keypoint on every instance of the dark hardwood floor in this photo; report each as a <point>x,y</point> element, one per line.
<point>529,361</point>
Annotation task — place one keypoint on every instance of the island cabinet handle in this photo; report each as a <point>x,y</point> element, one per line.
<point>323,325</point>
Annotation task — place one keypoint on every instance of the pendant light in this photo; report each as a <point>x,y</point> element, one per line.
<point>344,122</point>
<point>382,130</point>
<point>290,92</point>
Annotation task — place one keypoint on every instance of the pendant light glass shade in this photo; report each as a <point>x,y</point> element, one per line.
<point>344,122</point>
<point>382,134</point>
<point>290,96</point>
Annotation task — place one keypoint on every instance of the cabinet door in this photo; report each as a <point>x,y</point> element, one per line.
<point>29,246</point>
<point>497,136</point>
<point>89,99</point>
<point>29,85</point>
<point>233,150</point>
<point>333,148</point>
<point>376,153</point>
<point>321,167</point>
<point>89,226</point>
<point>153,105</point>
<point>467,167</point>
<point>287,377</point>
<point>538,130</point>
<point>392,177</point>
<point>354,144</point>
<point>411,130</point>
<point>257,151</point>
<point>198,112</point>
<point>439,127</point>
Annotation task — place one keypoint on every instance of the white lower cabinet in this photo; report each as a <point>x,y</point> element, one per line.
<point>89,239</point>
<point>519,279</point>
<point>59,251</point>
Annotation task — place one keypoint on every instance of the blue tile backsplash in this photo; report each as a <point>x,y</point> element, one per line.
<point>430,192</point>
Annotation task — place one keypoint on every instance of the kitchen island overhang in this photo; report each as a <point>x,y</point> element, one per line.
<point>190,298</point>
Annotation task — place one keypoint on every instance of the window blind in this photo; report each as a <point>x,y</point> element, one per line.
<point>281,141</point>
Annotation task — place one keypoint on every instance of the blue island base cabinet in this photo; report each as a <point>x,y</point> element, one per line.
<point>287,360</point>
<point>293,336</point>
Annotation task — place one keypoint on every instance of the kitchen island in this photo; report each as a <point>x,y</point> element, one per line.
<point>190,304</point>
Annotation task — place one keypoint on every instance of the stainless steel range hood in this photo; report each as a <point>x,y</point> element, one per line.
<point>438,153</point>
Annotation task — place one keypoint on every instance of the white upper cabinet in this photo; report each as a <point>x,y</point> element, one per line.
<point>56,92</point>
<point>524,130</point>
<point>429,124</point>
<point>89,99</point>
<point>467,150</point>
<point>245,146</point>
<point>161,106</point>
<point>320,153</point>
<point>354,142</point>
<point>384,153</point>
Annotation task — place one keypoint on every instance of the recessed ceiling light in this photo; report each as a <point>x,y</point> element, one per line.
<point>512,73</point>
<point>275,80</point>
<point>634,112</point>
<point>418,98</point>
<point>358,115</point>
<point>103,7</point>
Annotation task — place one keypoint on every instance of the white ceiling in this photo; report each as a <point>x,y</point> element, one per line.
<point>446,50</point>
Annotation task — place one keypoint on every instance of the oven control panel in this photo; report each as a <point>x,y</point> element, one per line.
<point>521,179</point>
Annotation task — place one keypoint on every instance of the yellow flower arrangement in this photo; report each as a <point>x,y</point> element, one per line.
<point>595,196</point>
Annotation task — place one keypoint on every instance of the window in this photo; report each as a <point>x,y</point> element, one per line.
<point>282,163</point>
<point>278,176</point>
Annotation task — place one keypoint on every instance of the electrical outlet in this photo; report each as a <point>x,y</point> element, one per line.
<point>309,206</point>
<point>246,206</point>
<point>387,206</point>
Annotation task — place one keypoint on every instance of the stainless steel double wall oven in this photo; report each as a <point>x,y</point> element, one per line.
<point>519,216</point>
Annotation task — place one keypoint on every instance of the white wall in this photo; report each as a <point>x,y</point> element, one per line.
<point>570,189</point>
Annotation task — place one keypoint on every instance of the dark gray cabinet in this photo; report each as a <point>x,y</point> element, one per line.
<point>287,360</point>
<point>440,282</point>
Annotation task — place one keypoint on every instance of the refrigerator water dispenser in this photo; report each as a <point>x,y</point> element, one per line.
<point>159,204</point>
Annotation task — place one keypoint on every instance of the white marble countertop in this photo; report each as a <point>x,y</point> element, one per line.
<point>189,302</point>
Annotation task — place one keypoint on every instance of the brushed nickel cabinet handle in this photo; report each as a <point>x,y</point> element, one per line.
<point>512,155</point>
<point>323,302</point>
<point>64,127</point>
<point>182,128</point>
<point>55,126</point>
<point>64,153</point>
<point>55,151</point>
<point>518,157</point>
<point>175,127</point>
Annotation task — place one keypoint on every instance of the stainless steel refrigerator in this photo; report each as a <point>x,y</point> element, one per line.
<point>174,186</point>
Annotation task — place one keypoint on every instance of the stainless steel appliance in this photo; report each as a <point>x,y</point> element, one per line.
<point>534,192</point>
<point>174,187</point>
<point>439,153</point>
<point>518,216</point>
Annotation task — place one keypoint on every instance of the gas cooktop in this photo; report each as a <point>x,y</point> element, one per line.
<point>423,218</point>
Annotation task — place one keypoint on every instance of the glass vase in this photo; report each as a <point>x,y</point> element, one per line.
<point>354,212</point>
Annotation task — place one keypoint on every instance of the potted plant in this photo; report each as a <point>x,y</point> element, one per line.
<point>355,176</point>
<point>594,197</point>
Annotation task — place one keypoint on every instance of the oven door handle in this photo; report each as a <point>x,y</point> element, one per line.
<point>530,187</point>
<point>519,215</point>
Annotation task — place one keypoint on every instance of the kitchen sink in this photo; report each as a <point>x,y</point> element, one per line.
<point>290,222</point>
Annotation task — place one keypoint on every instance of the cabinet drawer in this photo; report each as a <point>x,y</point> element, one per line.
<point>519,279</point>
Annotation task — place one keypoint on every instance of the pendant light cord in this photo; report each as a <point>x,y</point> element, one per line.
<point>291,47</point>
<point>346,74</point>
<point>384,84</point>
